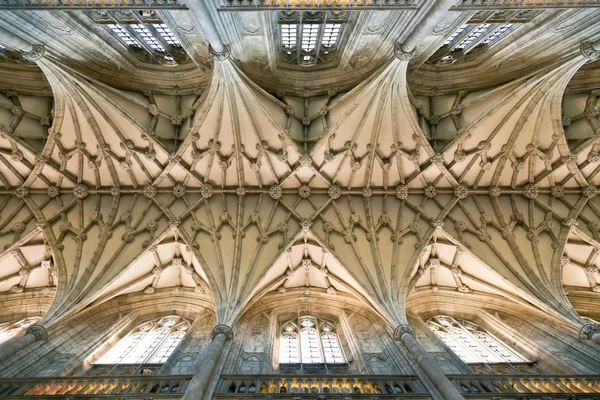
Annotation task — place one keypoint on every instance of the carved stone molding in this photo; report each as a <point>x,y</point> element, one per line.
<point>401,330</point>
<point>220,55</point>
<point>38,331</point>
<point>587,50</point>
<point>35,54</point>
<point>588,330</point>
<point>401,54</point>
<point>222,329</point>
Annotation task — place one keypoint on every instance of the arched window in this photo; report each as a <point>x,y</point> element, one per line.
<point>309,340</point>
<point>480,32</point>
<point>310,37</point>
<point>471,343</point>
<point>151,342</point>
<point>144,33</point>
<point>9,330</point>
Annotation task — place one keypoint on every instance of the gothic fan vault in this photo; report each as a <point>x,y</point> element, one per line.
<point>227,199</point>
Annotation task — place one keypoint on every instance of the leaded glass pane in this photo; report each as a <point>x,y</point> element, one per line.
<point>152,342</point>
<point>11,329</point>
<point>331,348</point>
<point>470,343</point>
<point>123,34</point>
<point>310,346</point>
<point>147,37</point>
<point>168,347</point>
<point>117,354</point>
<point>288,348</point>
<point>308,38</point>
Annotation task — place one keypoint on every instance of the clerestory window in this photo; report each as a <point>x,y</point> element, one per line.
<point>144,34</point>
<point>149,343</point>
<point>309,340</point>
<point>8,330</point>
<point>471,343</point>
<point>310,37</point>
<point>481,31</point>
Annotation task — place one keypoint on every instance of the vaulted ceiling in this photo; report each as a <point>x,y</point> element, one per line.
<point>371,175</point>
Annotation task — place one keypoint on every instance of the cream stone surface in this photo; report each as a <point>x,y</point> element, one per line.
<point>441,158</point>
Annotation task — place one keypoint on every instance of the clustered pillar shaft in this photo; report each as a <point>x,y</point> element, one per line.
<point>405,334</point>
<point>197,387</point>
<point>206,25</point>
<point>33,334</point>
<point>434,17</point>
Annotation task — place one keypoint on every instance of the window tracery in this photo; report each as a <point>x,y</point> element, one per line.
<point>308,340</point>
<point>145,34</point>
<point>11,329</point>
<point>310,37</point>
<point>471,343</point>
<point>150,342</point>
<point>480,32</point>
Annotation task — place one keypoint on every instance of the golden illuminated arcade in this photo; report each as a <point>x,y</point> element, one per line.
<point>300,199</point>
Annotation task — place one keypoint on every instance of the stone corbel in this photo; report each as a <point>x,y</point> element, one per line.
<point>588,331</point>
<point>36,53</point>
<point>220,55</point>
<point>589,51</point>
<point>222,329</point>
<point>401,330</point>
<point>401,54</point>
<point>38,331</point>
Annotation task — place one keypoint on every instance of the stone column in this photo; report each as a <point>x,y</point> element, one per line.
<point>201,380</point>
<point>33,334</point>
<point>207,26</point>
<point>590,332</point>
<point>31,52</point>
<point>405,334</point>
<point>434,17</point>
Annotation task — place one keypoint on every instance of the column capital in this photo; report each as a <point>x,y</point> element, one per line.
<point>588,51</point>
<point>588,330</point>
<point>401,54</point>
<point>38,331</point>
<point>222,329</point>
<point>220,55</point>
<point>401,330</point>
<point>36,53</point>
